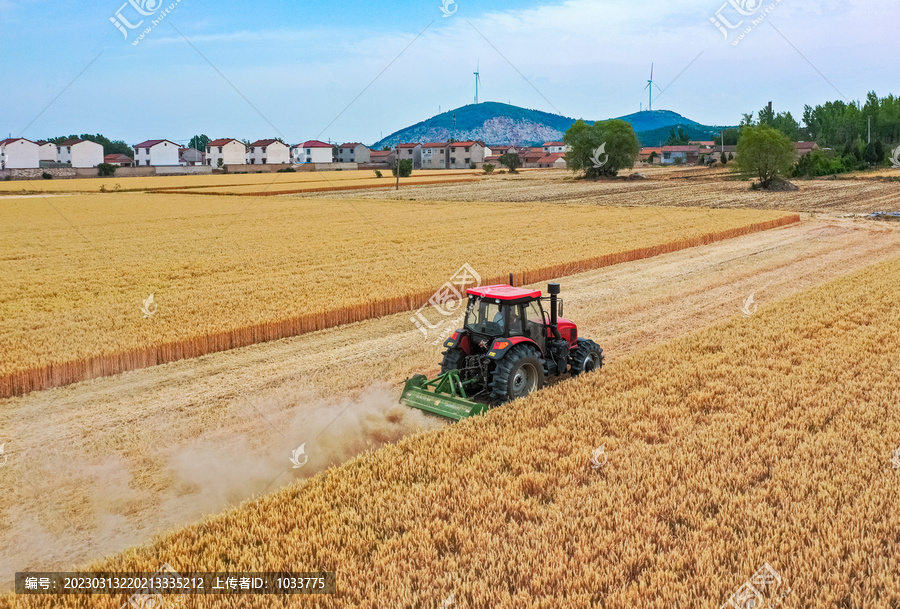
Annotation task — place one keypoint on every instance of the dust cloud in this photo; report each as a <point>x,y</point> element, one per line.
<point>288,439</point>
<point>103,506</point>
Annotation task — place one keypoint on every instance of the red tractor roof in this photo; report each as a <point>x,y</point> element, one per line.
<point>503,292</point>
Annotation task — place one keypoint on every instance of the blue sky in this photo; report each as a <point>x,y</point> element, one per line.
<point>354,70</point>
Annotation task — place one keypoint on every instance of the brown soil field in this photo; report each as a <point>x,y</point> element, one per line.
<point>102,465</point>
<point>676,187</point>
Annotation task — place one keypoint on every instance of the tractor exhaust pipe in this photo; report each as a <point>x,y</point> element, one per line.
<point>553,290</point>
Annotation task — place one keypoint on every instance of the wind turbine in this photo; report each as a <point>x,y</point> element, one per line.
<point>477,80</point>
<point>650,85</point>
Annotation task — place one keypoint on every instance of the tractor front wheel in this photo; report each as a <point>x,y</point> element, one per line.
<point>587,356</point>
<point>518,374</point>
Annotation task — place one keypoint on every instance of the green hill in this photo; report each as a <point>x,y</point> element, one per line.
<point>496,123</point>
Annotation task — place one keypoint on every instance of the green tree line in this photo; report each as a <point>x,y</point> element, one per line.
<point>836,124</point>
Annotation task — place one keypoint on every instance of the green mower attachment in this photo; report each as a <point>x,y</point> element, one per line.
<point>445,395</point>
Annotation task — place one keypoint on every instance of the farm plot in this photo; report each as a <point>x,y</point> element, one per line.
<point>760,445</point>
<point>367,182</point>
<point>690,190</point>
<point>170,182</point>
<point>79,271</point>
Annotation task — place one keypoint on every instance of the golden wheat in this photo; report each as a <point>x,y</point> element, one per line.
<point>223,274</point>
<point>766,439</point>
<point>263,180</point>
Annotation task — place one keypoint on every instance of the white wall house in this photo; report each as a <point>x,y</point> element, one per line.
<point>158,153</point>
<point>231,151</point>
<point>79,153</point>
<point>352,152</point>
<point>268,152</point>
<point>19,153</point>
<point>313,151</point>
<point>47,151</point>
<point>554,147</point>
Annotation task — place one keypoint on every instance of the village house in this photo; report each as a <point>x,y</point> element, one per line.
<point>118,160</point>
<point>435,155</point>
<point>465,154</point>
<point>530,157</point>
<point>268,152</point>
<point>77,152</point>
<point>189,157</point>
<point>383,156</point>
<point>229,150</point>
<point>804,148</point>
<point>555,160</point>
<point>158,153</point>
<point>352,152</point>
<point>500,150</point>
<point>313,151</point>
<point>19,153</point>
<point>651,154</point>
<point>689,155</point>
<point>554,147</point>
<point>47,152</point>
<point>411,151</point>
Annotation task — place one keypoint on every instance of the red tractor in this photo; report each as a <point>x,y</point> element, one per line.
<point>506,350</point>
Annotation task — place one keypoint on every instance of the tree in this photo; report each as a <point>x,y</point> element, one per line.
<point>406,167</point>
<point>510,160</point>
<point>874,153</point>
<point>199,142</point>
<point>601,149</point>
<point>723,159</point>
<point>731,137</point>
<point>677,139</point>
<point>766,153</point>
<point>220,163</point>
<point>105,169</point>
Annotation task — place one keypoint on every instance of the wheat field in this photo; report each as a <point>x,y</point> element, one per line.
<point>172,182</point>
<point>227,272</point>
<point>311,186</point>
<point>764,440</point>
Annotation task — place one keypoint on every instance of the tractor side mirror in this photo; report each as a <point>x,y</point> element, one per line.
<point>560,307</point>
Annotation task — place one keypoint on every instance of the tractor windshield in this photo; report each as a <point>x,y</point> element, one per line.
<point>484,317</point>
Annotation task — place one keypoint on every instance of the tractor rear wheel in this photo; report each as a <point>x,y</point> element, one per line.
<point>518,374</point>
<point>454,359</point>
<point>587,356</point>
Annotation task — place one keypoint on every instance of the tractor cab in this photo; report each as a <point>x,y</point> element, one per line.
<point>503,311</point>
